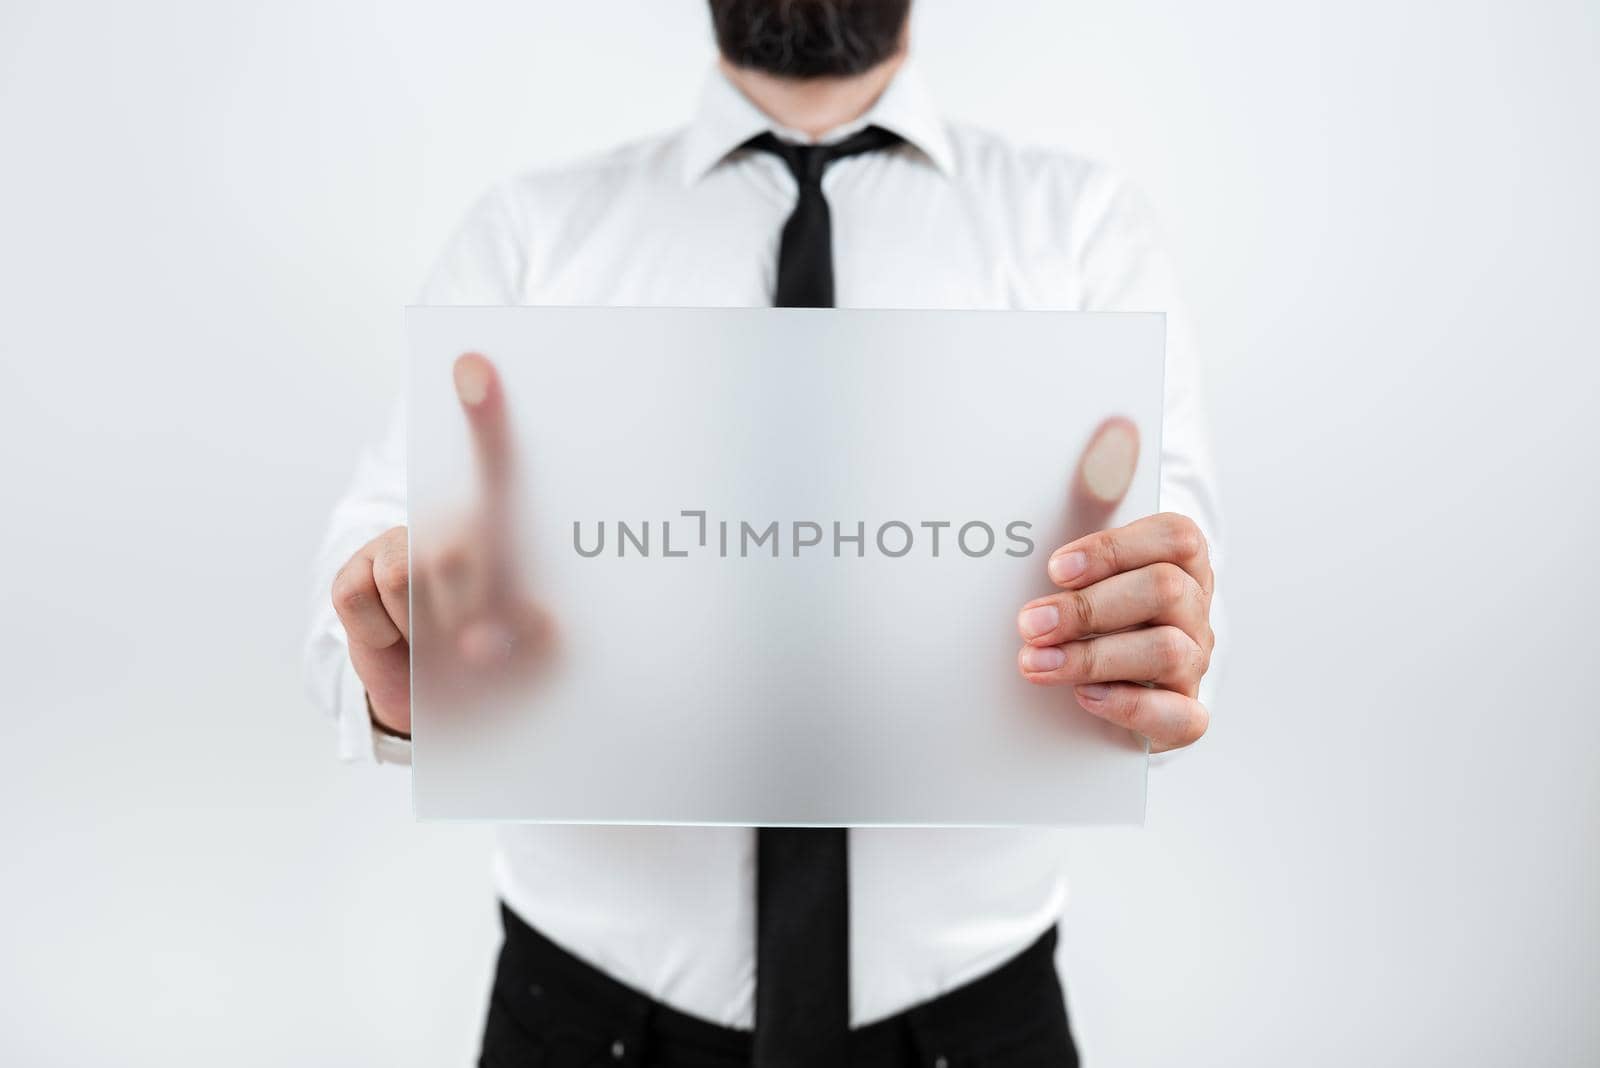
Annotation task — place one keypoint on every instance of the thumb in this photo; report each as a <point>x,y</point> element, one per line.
<point>1105,471</point>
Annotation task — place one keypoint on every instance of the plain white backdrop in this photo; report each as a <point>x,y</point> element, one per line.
<point>1387,850</point>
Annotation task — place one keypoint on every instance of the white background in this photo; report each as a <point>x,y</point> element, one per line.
<point>1387,850</point>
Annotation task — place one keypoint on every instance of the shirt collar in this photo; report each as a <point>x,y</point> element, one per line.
<point>727,119</point>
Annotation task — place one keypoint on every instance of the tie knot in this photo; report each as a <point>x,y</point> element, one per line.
<point>808,162</point>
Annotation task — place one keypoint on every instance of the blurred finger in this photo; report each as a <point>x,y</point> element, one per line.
<point>483,400</point>
<point>1104,473</point>
<point>516,635</point>
<point>1170,720</point>
<point>1167,536</point>
<point>453,587</point>
<point>487,643</point>
<point>482,396</point>
<point>1160,593</point>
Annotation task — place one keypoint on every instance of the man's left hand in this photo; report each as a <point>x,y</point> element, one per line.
<point>1131,631</point>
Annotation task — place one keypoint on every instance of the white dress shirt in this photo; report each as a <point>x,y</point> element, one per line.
<point>956,218</point>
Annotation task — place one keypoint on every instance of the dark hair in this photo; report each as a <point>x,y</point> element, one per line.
<point>808,38</point>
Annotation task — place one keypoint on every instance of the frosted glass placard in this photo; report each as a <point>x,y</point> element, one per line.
<point>759,566</point>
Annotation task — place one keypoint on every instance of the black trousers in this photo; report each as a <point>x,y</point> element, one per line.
<point>550,1009</point>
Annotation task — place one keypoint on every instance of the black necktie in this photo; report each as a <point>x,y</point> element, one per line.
<point>802,873</point>
<point>805,258</point>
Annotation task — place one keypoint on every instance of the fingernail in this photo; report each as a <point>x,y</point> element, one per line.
<point>1068,566</point>
<point>1041,619</point>
<point>1094,692</point>
<point>1036,660</point>
<point>472,379</point>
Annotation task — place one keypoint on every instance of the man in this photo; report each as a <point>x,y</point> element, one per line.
<point>713,945</point>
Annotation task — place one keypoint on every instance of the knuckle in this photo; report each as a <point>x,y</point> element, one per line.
<point>1175,650</point>
<point>1080,610</point>
<point>1172,584</point>
<point>1183,535</point>
<point>451,564</point>
<point>392,573</point>
<point>1082,660</point>
<point>1138,710</point>
<point>1109,547</point>
<point>350,590</point>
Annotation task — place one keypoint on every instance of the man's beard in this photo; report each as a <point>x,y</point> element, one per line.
<point>808,38</point>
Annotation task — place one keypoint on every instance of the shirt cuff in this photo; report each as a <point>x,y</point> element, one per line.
<point>361,741</point>
<point>390,748</point>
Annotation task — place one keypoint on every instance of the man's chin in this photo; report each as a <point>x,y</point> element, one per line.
<point>809,38</point>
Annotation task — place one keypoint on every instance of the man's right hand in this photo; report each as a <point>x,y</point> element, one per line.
<point>467,596</point>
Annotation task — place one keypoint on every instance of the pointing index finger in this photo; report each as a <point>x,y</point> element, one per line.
<point>482,396</point>
<point>482,399</point>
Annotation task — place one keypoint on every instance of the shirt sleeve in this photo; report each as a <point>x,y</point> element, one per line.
<point>482,263</point>
<point>1124,268</point>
